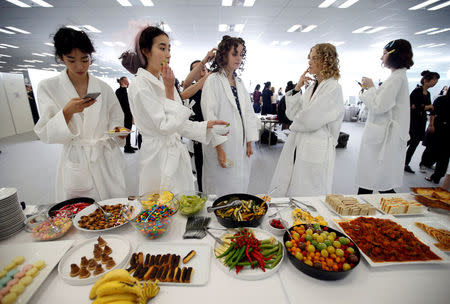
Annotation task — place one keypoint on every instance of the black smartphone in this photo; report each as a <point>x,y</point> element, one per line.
<point>360,84</point>
<point>92,96</point>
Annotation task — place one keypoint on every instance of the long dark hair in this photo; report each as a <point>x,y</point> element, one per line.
<point>226,45</point>
<point>258,86</point>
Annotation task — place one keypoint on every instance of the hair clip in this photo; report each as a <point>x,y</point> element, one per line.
<point>391,51</point>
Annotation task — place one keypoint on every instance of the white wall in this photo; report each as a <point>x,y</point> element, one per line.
<point>15,96</point>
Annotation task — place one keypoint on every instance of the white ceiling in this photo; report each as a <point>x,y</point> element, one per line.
<point>195,25</point>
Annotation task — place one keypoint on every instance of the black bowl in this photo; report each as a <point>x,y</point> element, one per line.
<point>319,273</point>
<point>229,223</point>
<point>70,202</point>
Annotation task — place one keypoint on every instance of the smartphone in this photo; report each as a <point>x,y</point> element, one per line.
<point>92,96</point>
<point>360,84</point>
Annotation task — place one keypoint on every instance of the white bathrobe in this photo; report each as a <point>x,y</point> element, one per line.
<point>164,160</point>
<point>383,145</point>
<point>91,163</point>
<point>218,102</point>
<point>314,134</point>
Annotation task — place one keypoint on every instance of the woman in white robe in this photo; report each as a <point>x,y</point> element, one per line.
<point>306,164</point>
<point>383,144</point>
<point>161,117</point>
<point>91,163</point>
<point>226,163</point>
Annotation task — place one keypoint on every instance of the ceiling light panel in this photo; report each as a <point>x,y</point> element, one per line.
<point>18,3</point>
<point>42,3</point>
<point>294,28</point>
<point>124,2</point>
<point>440,31</point>
<point>422,5</point>
<point>48,54</point>
<point>3,55</point>
<point>166,27</point>
<point>362,29</point>
<point>238,28</point>
<point>49,44</point>
<point>309,28</point>
<point>286,42</point>
<point>348,3</point>
<point>37,54</point>
<point>436,45</point>
<point>425,45</point>
<point>9,45</point>
<point>7,32</point>
<point>427,31</point>
<point>442,5</point>
<point>91,29</point>
<point>12,28</point>
<point>326,3</point>
<point>74,27</point>
<point>147,2</point>
<point>227,2</point>
<point>223,27</point>
<point>375,30</point>
<point>249,3</point>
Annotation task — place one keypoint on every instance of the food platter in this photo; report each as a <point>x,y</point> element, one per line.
<point>375,199</point>
<point>443,257</point>
<point>121,250</point>
<point>114,201</point>
<point>200,263</point>
<point>50,252</point>
<point>428,239</point>
<point>247,273</point>
<point>335,213</point>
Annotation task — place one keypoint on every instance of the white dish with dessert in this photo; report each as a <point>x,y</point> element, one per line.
<point>77,266</point>
<point>395,204</point>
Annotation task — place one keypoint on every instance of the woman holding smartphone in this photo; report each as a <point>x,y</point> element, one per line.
<point>306,164</point>
<point>226,163</point>
<point>91,163</point>
<point>383,144</point>
<point>160,116</point>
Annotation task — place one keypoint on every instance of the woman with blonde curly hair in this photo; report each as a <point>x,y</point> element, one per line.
<point>306,164</point>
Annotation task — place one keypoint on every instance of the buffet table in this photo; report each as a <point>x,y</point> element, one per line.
<point>366,284</point>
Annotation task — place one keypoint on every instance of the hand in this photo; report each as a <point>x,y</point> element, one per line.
<point>209,56</point>
<point>413,107</point>
<point>76,105</point>
<point>429,108</point>
<point>212,123</point>
<point>249,149</point>
<point>221,156</point>
<point>168,79</point>
<point>367,83</point>
<point>302,80</point>
<point>430,129</point>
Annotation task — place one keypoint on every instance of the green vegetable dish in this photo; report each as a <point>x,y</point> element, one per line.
<point>191,204</point>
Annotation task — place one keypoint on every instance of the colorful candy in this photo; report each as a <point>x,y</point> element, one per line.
<point>44,231</point>
<point>153,222</point>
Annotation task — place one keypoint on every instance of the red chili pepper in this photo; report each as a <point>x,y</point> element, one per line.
<point>238,268</point>
<point>248,256</point>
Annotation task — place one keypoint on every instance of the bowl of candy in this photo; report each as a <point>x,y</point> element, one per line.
<point>191,202</point>
<point>154,222</point>
<point>44,228</point>
<point>70,207</point>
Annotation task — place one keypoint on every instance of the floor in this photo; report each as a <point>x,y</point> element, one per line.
<point>30,166</point>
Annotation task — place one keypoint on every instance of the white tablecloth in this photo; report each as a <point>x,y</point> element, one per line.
<point>398,284</point>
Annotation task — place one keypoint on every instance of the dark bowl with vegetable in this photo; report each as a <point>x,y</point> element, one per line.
<point>325,266</point>
<point>248,214</point>
<point>70,207</point>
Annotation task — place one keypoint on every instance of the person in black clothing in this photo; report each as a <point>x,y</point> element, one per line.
<point>420,102</point>
<point>32,102</point>
<point>282,118</point>
<point>267,97</point>
<point>440,145</point>
<point>122,95</point>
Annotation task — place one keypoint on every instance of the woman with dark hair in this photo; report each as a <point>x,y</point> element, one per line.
<point>383,144</point>
<point>160,115</point>
<point>420,102</point>
<point>122,96</point>
<point>306,164</point>
<point>443,91</point>
<point>267,98</point>
<point>257,99</point>
<point>91,163</point>
<point>281,114</point>
<point>226,163</point>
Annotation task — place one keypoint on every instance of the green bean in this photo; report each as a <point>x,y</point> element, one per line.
<point>226,252</point>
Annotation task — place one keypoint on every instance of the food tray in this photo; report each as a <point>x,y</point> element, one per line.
<point>200,263</point>
<point>121,251</point>
<point>428,239</point>
<point>360,200</point>
<point>432,200</point>
<point>88,210</point>
<point>375,199</point>
<point>249,274</point>
<point>439,253</point>
<point>50,252</point>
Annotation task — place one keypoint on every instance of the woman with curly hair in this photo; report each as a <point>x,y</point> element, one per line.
<point>383,144</point>
<point>306,164</point>
<point>226,163</point>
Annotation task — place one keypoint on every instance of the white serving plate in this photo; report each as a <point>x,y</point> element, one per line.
<point>117,134</point>
<point>7,192</point>
<point>425,236</point>
<point>375,199</point>
<point>335,213</point>
<point>114,201</point>
<point>200,263</point>
<point>248,273</point>
<point>121,250</point>
<point>50,252</point>
<point>439,253</point>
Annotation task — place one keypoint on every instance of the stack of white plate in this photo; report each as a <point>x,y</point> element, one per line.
<point>11,215</point>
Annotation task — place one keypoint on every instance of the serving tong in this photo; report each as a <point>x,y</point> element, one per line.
<point>232,203</point>
<point>107,215</point>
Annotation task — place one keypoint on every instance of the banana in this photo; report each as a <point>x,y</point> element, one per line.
<point>116,297</point>
<point>116,287</point>
<point>114,275</point>
<point>122,302</point>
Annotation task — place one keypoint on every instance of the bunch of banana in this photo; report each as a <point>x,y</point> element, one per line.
<point>118,286</point>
